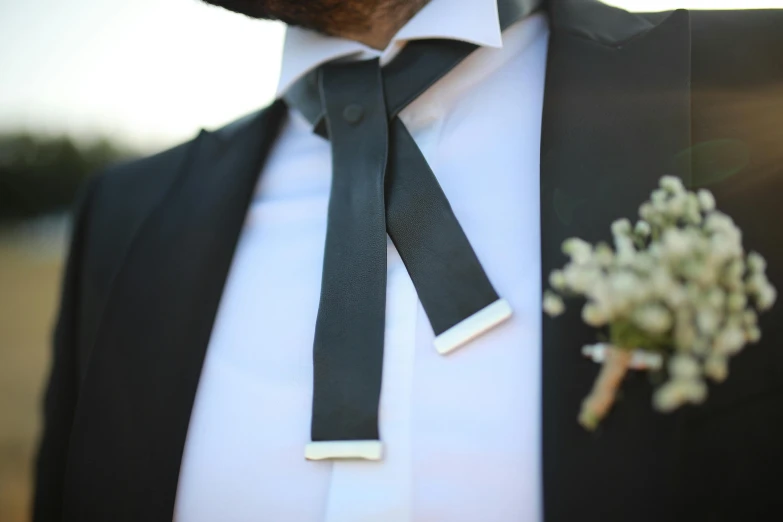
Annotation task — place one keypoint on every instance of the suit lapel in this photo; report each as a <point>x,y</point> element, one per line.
<point>136,400</point>
<point>616,114</point>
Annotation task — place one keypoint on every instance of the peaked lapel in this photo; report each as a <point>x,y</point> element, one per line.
<point>616,115</point>
<point>134,408</point>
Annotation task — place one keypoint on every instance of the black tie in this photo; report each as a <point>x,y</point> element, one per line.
<point>382,183</point>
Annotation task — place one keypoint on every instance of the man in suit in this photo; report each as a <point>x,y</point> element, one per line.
<point>183,361</point>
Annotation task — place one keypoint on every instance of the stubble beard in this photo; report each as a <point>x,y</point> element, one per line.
<point>332,17</point>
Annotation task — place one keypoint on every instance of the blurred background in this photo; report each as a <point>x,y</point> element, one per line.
<point>84,83</point>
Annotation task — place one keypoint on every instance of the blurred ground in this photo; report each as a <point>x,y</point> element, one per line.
<point>30,265</point>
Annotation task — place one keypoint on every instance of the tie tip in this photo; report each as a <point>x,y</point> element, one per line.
<point>475,325</point>
<point>344,449</point>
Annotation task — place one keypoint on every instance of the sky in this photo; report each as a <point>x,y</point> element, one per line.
<point>153,72</point>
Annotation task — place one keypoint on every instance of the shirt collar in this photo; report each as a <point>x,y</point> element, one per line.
<point>474,21</point>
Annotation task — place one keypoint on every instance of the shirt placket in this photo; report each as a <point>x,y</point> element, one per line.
<point>381,491</point>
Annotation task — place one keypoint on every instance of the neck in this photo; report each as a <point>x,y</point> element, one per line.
<point>383,23</point>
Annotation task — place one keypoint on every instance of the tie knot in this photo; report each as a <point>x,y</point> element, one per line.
<point>352,97</point>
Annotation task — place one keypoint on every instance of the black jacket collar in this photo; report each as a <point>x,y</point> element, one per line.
<point>597,21</point>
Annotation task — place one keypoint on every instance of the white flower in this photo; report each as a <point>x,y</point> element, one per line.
<point>672,184</point>
<point>753,334</point>
<point>624,283</point>
<point>700,346</point>
<point>626,253</point>
<point>659,198</point>
<point>716,367</point>
<point>706,200</point>
<point>756,263</point>
<point>757,281</point>
<point>654,319</point>
<point>737,301</point>
<point>553,304</point>
<point>668,398</point>
<point>645,262</point>
<point>593,315</point>
<point>580,251</point>
<point>603,255</point>
<point>719,222</point>
<point>732,277</point>
<point>621,227</point>
<point>750,318</point>
<point>705,274</point>
<point>675,393</point>
<point>684,367</point>
<point>707,320</point>
<point>601,294</point>
<point>661,281</point>
<point>684,334</point>
<point>766,297</point>
<point>695,391</point>
<point>765,293</point>
<point>642,228</point>
<point>647,212</point>
<point>716,297</point>
<point>677,205</point>
<point>675,297</point>
<point>729,341</point>
<point>725,245</point>
<point>675,243</point>
<point>557,280</point>
<point>693,210</point>
<point>579,279</point>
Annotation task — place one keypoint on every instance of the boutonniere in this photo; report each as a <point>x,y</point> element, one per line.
<point>677,291</point>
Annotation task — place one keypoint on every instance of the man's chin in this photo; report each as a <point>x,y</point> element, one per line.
<point>263,9</point>
<point>324,16</point>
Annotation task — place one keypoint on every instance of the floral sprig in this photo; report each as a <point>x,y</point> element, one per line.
<point>677,285</point>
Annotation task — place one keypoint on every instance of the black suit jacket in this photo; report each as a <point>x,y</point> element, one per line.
<point>629,98</point>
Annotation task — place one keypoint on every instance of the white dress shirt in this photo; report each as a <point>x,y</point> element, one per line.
<point>461,433</point>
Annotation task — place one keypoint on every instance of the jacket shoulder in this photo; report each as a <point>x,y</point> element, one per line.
<point>116,206</point>
<point>742,48</point>
<point>126,193</point>
<point>120,199</point>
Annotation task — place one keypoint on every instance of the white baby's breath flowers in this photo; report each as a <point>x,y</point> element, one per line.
<point>679,392</point>
<point>676,244</point>
<point>706,200</point>
<point>603,255</point>
<point>766,296</point>
<point>594,315</point>
<point>621,227</point>
<point>557,280</point>
<point>580,251</point>
<point>707,320</point>
<point>672,185</point>
<point>684,367</point>
<point>654,319</point>
<point>737,301</point>
<point>642,229</point>
<point>677,284</point>
<point>716,367</point>
<point>753,334</point>
<point>553,304</point>
<point>756,263</point>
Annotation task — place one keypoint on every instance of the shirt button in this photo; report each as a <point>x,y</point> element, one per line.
<point>353,113</point>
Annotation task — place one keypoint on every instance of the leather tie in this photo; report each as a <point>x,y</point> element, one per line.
<point>381,183</point>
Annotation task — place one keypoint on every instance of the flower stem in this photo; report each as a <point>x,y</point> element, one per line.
<point>602,397</point>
